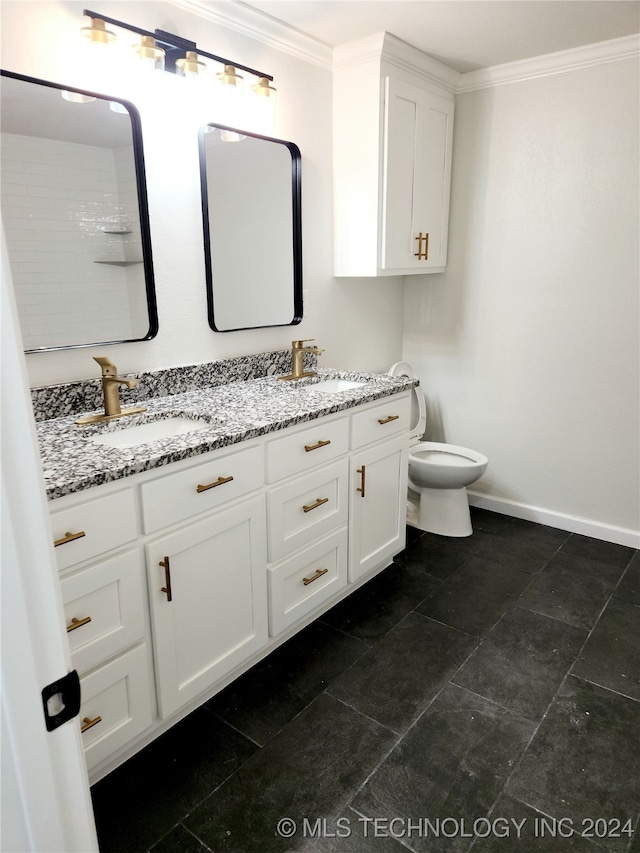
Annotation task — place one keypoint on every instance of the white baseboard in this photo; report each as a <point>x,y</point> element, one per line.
<point>571,523</point>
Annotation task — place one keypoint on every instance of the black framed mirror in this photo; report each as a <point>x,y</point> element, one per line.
<point>75,215</point>
<point>251,210</point>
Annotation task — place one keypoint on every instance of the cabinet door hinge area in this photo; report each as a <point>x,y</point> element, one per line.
<point>61,700</point>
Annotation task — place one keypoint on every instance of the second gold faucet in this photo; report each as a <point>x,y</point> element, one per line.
<point>298,350</point>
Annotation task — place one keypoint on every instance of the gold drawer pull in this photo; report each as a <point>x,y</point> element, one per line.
<point>167,578</point>
<point>388,420</point>
<point>218,482</point>
<point>77,623</point>
<point>68,537</point>
<point>360,488</point>
<point>309,447</point>
<point>318,574</point>
<point>420,254</point>
<point>89,723</point>
<point>319,502</point>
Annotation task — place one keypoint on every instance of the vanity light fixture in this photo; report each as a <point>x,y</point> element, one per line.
<point>150,53</point>
<point>263,88</point>
<point>190,65</point>
<point>177,54</point>
<point>230,77</point>
<point>97,33</point>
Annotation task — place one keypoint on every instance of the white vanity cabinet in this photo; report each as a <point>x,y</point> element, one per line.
<point>178,579</point>
<point>206,580</point>
<point>207,593</point>
<point>104,606</point>
<point>378,477</point>
<point>393,132</point>
<point>308,511</point>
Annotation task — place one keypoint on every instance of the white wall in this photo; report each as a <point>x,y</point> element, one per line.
<point>527,346</point>
<point>359,322</point>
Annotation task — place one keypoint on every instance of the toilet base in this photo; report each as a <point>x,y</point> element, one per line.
<point>444,512</point>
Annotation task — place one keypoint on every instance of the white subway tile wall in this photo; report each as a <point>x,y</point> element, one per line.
<point>60,201</point>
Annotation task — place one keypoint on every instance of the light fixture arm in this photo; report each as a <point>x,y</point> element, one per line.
<point>174,46</point>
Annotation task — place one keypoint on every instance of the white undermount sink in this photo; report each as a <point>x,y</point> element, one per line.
<point>151,431</point>
<point>333,386</point>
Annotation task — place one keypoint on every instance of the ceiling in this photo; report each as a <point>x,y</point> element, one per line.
<point>464,34</point>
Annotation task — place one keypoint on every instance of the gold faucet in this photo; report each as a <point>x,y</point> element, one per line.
<point>298,350</point>
<point>111,393</point>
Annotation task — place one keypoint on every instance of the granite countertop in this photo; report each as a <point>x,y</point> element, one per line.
<point>233,413</point>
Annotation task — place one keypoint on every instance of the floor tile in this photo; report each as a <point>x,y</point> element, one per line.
<point>452,764</point>
<point>441,556</point>
<point>395,681</point>
<point>142,800</point>
<point>310,770</point>
<point>263,700</point>
<point>179,840</point>
<point>597,549</point>
<point>629,587</point>
<point>584,762</point>
<point>475,597</point>
<point>611,656</point>
<point>371,611</point>
<point>572,589</point>
<point>355,834</point>
<point>516,826</point>
<point>522,661</point>
<point>492,522</point>
<point>523,545</point>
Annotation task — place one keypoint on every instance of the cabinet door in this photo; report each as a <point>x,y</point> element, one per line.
<point>418,129</point>
<point>209,608</point>
<point>378,486</point>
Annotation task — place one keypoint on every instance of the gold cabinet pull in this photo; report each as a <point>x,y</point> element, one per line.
<point>89,723</point>
<point>420,254</point>
<point>68,537</point>
<point>167,578</point>
<point>388,420</point>
<point>77,623</point>
<point>360,488</point>
<point>309,447</point>
<point>319,502</point>
<point>314,577</point>
<point>218,482</point>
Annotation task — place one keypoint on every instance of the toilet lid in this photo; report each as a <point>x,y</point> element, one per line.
<point>418,407</point>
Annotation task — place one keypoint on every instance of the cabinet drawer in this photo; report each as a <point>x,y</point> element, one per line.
<point>117,698</point>
<point>319,442</point>
<point>103,609</point>
<point>304,509</point>
<point>206,486</point>
<point>300,584</point>
<point>91,528</point>
<point>383,421</point>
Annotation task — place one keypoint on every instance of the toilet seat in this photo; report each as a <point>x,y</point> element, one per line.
<point>444,466</point>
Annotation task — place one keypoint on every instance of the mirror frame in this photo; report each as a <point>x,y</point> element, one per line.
<point>143,210</point>
<point>296,202</point>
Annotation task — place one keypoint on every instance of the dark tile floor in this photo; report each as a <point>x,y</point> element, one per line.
<point>481,693</point>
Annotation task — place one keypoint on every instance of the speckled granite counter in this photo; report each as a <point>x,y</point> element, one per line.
<point>233,413</point>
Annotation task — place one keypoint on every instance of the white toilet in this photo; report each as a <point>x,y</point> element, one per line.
<point>438,474</point>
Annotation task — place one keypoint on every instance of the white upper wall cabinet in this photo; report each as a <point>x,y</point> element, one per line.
<point>392,138</point>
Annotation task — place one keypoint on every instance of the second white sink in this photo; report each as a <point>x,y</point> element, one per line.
<point>150,431</point>
<point>333,386</point>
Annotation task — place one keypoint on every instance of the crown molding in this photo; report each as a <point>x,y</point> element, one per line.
<point>560,62</point>
<point>236,16</point>
<point>386,47</point>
